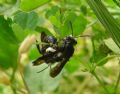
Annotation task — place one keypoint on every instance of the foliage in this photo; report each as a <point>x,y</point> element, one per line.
<point>97,54</point>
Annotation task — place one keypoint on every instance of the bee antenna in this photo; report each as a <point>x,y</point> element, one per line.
<point>71,27</point>
<point>83,36</point>
<point>43,69</point>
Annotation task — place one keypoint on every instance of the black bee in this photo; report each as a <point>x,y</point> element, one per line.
<point>54,51</point>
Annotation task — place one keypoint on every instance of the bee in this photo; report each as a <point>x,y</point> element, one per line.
<point>53,52</point>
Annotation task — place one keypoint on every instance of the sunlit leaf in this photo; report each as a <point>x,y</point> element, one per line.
<point>28,5</point>
<point>27,20</point>
<point>40,82</point>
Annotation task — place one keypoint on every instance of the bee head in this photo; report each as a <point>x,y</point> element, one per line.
<point>71,40</point>
<point>51,39</point>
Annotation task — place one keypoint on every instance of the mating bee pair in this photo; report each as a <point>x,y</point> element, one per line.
<point>54,51</point>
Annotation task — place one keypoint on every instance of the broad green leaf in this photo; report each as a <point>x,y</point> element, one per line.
<point>73,64</point>
<point>8,47</point>
<point>28,5</point>
<point>26,20</point>
<point>40,82</point>
<point>79,25</point>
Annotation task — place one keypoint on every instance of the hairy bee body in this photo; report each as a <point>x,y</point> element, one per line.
<point>52,52</point>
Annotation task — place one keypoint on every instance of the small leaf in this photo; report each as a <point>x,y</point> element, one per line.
<point>28,5</point>
<point>79,25</point>
<point>27,20</point>
<point>112,45</point>
<point>52,11</point>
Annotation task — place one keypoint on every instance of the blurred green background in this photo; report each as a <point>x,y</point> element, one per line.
<point>93,69</point>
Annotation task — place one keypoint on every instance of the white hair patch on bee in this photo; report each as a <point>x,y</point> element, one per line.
<point>59,54</point>
<point>50,49</point>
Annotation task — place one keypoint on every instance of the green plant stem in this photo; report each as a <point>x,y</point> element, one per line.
<point>20,68</point>
<point>118,81</point>
<point>12,81</point>
<point>100,82</point>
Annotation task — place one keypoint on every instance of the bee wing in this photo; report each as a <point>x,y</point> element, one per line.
<point>43,37</point>
<point>48,39</point>
<point>38,61</point>
<point>57,69</point>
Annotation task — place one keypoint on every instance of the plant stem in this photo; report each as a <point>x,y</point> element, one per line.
<point>100,82</point>
<point>12,80</point>
<point>118,81</point>
<point>20,68</point>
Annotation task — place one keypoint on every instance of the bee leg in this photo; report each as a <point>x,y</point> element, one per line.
<point>38,47</point>
<point>49,64</point>
<point>43,69</point>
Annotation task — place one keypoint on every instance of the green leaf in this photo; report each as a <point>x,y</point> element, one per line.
<point>52,11</point>
<point>42,29</point>
<point>73,64</point>
<point>26,20</point>
<point>112,45</point>
<point>9,47</point>
<point>109,23</point>
<point>100,51</point>
<point>40,82</point>
<point>83,9</point>
<point>79,25</point>
<point>33,53</point>
<point>28,5</point>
